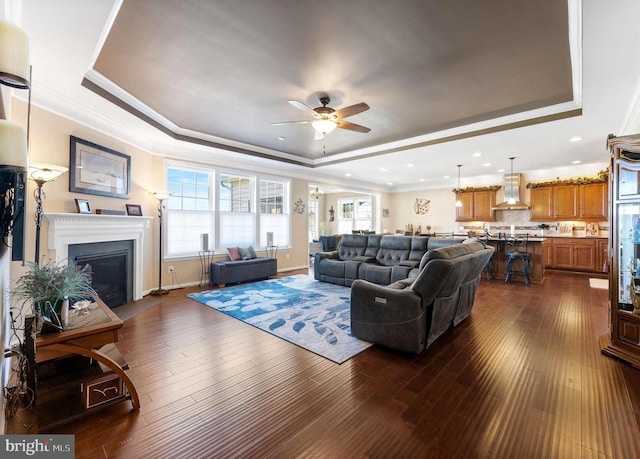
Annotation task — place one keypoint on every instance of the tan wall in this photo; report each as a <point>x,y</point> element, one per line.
<point>50,143</point>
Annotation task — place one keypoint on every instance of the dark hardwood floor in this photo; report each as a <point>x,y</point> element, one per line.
<point>523,377</point>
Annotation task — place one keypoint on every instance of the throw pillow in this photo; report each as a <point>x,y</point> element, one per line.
<point>252,253</point>
<point>244,253</point>
<point>234,253</point>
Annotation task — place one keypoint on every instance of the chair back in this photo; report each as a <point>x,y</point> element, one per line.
<point>517,246</point>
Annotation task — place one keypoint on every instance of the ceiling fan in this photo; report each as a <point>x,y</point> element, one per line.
<point>326,119</point>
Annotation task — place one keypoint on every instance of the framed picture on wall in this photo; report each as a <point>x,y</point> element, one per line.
<point>98,170</point>
<point>134,210</point>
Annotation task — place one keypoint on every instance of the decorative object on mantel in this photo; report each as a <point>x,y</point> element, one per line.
<point>98,170</point>
<point>109,212</point>
<point>298,206</point>
<point>41,174</point>
<point>421,206</point>
<point>134,210</point>
<point>160,196</point>
<point>82,206</point>
<point>602,176</point>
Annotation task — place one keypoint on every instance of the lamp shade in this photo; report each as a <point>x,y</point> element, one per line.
<point>14,56</point>
<point>161,195</point>
<point>45,172</point>
<point>324,126</point>
<point>13,147</point>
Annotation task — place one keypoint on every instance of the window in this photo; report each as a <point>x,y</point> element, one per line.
<point>237,213</point>
<point>313,220</point>
<point>189,210</point>
<point>243,208</point>
<point>274,211</point>
<point>355,214</point>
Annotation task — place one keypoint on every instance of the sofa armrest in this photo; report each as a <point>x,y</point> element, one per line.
<point>370,297</point>
<point>333,255</point>
<point>409,263</point>
<point>365,259</point>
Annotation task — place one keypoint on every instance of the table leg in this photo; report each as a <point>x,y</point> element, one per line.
<point>102,358</point>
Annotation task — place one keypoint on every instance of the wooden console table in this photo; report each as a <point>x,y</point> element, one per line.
<point>87,331</point>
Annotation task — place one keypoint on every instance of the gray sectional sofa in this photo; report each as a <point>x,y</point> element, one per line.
<point>381,259</point>
<point>410,314</point>
<point>406,291</point>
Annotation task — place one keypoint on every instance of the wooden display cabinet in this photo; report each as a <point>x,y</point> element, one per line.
<point>623,342</point>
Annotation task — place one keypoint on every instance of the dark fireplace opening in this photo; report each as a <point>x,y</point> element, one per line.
<point>111,268</point>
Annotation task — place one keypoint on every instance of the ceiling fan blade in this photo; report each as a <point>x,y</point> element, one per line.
<point>302,106</point>
<point>289,122</point>
<point>351,110</point>
<point>352,126</point>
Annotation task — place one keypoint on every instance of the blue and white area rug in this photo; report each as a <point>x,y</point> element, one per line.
<point>311,314</point>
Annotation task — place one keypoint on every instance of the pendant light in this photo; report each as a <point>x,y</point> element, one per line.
<point>458,202</point>
<point>512,199</point>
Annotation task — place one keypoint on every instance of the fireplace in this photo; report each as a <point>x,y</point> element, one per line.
<point>111,268</point>
<point>68,230</point>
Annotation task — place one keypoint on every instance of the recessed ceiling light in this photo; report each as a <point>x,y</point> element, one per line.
<point>421,180</point>
<point>500,170</point>
<point>577,161</point>
<point>382,169</point>
<point>447,176</point>
<point>281,138</point>
<point>410,165</point>
<point>477,154</point>
<point>389,183</point>
<point>575,139</point>
<point>348,174</point>
<point>487,164</point>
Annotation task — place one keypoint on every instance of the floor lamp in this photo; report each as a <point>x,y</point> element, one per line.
<point>42,174</point>
<point>160,196</point>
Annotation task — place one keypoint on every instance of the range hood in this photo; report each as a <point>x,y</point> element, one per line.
<point>511,182</point>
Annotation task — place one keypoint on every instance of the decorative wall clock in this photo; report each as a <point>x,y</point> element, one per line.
<point>421,206</point>
<point>298,206</point>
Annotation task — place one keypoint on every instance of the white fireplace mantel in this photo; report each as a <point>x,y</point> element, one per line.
<point>66,229</point>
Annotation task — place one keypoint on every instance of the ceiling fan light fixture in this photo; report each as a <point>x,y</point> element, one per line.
<point>324,126</point>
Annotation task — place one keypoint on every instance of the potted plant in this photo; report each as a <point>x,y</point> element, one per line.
<point>54,283</point>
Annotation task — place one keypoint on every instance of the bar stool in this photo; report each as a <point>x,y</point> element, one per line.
<point>517,250</point>
<point>488,268</point>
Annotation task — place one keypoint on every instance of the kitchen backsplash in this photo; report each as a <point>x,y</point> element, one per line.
<point>519,219</point>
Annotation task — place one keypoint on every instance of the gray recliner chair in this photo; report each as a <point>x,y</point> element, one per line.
<point>409,315</point>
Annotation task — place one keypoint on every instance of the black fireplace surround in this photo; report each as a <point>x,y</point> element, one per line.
<point>111,267</point>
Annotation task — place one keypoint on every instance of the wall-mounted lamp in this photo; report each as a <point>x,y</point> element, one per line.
<point>458,202</point>
<point>160,196</point>
<point>41,174</point>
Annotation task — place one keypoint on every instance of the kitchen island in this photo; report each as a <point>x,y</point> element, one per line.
<point>536,249</point>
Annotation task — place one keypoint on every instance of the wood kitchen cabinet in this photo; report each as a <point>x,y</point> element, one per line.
<point>594,201</point>
<point>577,254</point>
<point>477,205</point>
<point>570,202</point>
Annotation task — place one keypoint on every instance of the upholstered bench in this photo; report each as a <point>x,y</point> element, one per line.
<point>231,272</point>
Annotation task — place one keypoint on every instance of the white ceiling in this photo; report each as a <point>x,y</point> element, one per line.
<point>442,78</point>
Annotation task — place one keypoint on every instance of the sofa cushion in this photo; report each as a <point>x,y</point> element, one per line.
<point>234,253</point>
<point>418,248</point>
<point>393,250</point>
<point>352,245</point>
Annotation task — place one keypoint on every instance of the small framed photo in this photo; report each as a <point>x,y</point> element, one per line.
<point>83,206</point>
<point>134,210</point>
